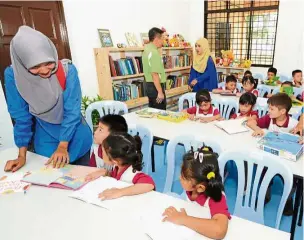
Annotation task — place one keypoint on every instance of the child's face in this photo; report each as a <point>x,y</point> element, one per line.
<point>106,158</point>
<point>245,108</point>
<point>298,77</point>
<point>191,185</point>
<point>230,86</point>
<point>248,86</point>
<point>270,75</point>
<point>205,106</point>
<point>275,112</point>
<point>101,133</point>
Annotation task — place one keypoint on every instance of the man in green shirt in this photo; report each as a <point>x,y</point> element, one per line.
<point>154,71</point>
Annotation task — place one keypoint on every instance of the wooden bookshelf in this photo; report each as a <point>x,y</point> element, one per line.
<point>105,80</point>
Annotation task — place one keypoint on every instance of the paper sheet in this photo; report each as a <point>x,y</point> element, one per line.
<point>233,126</point>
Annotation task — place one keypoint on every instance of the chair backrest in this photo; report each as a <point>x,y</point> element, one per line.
<point>239,86</point>
<point>146,137</point>
<point>261,107</point>
<point>284,78</point>
<point>190,97</point>
<point>221,84</point>
<point>187,140</point>
<point>263,89</point>
<point>105,107</point>
<point>258,76</point>
<point>296,91</point>
<point>251,206</point>
<point>226,105</point>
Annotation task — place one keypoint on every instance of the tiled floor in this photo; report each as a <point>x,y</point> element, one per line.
<point>230,189</point>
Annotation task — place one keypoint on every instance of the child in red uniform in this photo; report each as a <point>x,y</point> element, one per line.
<point>201,180</point>
<point>123,152</point>
<point>250,84</point>
<point>246,103</point>
<point>107,124</point>
<point>205,112</point>
<point>230,86</point>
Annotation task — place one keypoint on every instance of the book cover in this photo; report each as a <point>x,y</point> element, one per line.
<point>130,61</point>
<point>117,68</point>
<point>281,144</point>
<point>125,67</point>
<point>121,68</point>
<point>140,64</point>
<point>112,67</point>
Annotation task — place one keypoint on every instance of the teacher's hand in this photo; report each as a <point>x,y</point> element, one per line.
<point>14,165</point>
<point>193,82</point>
<point>59,158</point>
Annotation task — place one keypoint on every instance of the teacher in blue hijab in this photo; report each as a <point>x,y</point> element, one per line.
<point>44,100</point>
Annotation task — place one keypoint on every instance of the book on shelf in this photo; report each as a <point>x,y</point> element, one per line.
<point>182,60</point>
<point>125,66</point>
<point>174,81</point>
<point>128,91</point>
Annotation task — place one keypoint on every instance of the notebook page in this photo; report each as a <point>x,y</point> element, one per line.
<point>233,126</point>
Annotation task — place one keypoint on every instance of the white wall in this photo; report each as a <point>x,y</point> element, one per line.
<point>83,18</point>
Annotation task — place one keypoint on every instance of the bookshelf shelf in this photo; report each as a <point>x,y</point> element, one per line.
<point>177,91</point>
<point>177,69</point>
<point>127,77</point>
<point>140,49</point>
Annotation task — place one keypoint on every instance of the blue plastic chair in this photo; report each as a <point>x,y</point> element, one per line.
<point>296,91</point>
<point>221,84</point>
<point>104,108</point>
<point>188,141</point>
<point>146,137</point>
<point>258,76</point>
<point>225,106</point>
<point>263,89</point>
<point>248,208</point>
<point>284,78</point>
<point>189,97</point>
<point>262,109</point>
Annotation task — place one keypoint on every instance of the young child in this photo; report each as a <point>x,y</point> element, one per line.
<point>123,152</point>
<point>230,86</point>
<point>246,104</point>
<point>250,84</point>
<point>205,112</point>
<point>107,124</point>
<point>277,118</point>
<point>247,73</point>
<point>297,78</point>
<point>201,180</point>
<point>272,72</point>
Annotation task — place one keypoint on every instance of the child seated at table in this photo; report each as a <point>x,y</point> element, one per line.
<point>272,72</point>
<point>123,152</point>
<point>277,119</point>
<point>201,179</point>
<point>110,123</point>
<point>250,84</point>
<point>246,105</point>
<point>230,86</point>
<point>297,78</point>
<point>204,109</point>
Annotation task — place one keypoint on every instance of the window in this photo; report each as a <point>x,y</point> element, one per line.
<point>247,27</point>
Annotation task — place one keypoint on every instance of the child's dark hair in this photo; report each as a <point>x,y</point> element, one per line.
<point>247,72</point>
<point>204,171</point>
<point>231,78</point>
<point>115,123</point>
<point>272,70</point>
<point>281,101</point>
<point>287,83</point>
<point>251,80</point>
<point>294,72</point>
<point>248,98</point>
<point>126,148</point>
<point>202,95</point>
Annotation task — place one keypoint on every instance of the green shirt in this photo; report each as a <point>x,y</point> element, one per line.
<point>152,63</point>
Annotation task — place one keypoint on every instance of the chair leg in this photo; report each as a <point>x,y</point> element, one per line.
<point>152,158</point>
<point>298,196</point>
<point>165,152</point>
<point>301,213</point>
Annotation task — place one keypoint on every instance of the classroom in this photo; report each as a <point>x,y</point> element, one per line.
<point>151,119</point>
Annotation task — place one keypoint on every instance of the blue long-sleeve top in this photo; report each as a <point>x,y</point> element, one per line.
<point>72,119</point>
<point>205,80</point>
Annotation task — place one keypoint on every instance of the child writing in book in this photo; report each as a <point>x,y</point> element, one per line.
<point>230,86</point>
<point>249,85</point>
<point>204,109</point>
<point>277,118</point>
<point>297,78</point>
<point>246,105</point>
<point>110,123</point>
<point>123,152</point>
<point>201,180</point>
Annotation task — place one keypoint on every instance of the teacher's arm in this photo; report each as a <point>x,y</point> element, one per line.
<point>19,112</point>
<point>71,117</point>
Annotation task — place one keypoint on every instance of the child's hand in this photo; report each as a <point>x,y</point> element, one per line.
<point>206,119</point>
<point>191,117</point>
<point>111,193</point>
<point>258,132</point>
<point>174,216</point>
<point>94,175</point>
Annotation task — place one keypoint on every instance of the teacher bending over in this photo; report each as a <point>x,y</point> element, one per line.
<point>44,98</point>
<point>203,72</point>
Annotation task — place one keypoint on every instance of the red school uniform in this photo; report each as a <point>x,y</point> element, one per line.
<point>198,111</point>
<point>127,175</point>
<point>255,92</point>
<point>249,114</point>
<point>215,207</point>
<point>271,125</point>
<point>92,162</point>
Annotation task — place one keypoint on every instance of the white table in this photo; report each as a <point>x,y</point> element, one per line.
<point>44,213</point>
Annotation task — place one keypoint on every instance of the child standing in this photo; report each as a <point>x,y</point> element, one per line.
<point>277,119</point>
<point>297,78</point>
<point>250,84</point>
<point>230,86</point>
<point>201,180</point>
<point>205,112</point>
<point>246,104</point>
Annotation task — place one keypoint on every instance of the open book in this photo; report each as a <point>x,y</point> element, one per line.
<point>233,126</point>
<point>69,177</point>
<point>12,183</point>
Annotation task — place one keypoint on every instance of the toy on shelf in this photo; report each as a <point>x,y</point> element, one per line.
<point>245,63</point>
<point>182,42</point>
<point>166,37</point>
<point>174,41</point>
<point>228,57</point>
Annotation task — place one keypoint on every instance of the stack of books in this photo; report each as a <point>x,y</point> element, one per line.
<point>128,91</point>
<point>177,81</point>
<point>125,66</point>
<point>182,60</point>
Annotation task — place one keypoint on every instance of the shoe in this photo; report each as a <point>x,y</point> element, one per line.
<point>288,209</point>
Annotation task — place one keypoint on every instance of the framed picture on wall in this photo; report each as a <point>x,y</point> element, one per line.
<point>105,37</point>
<point>131,39</point>
<point>144,38</point>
